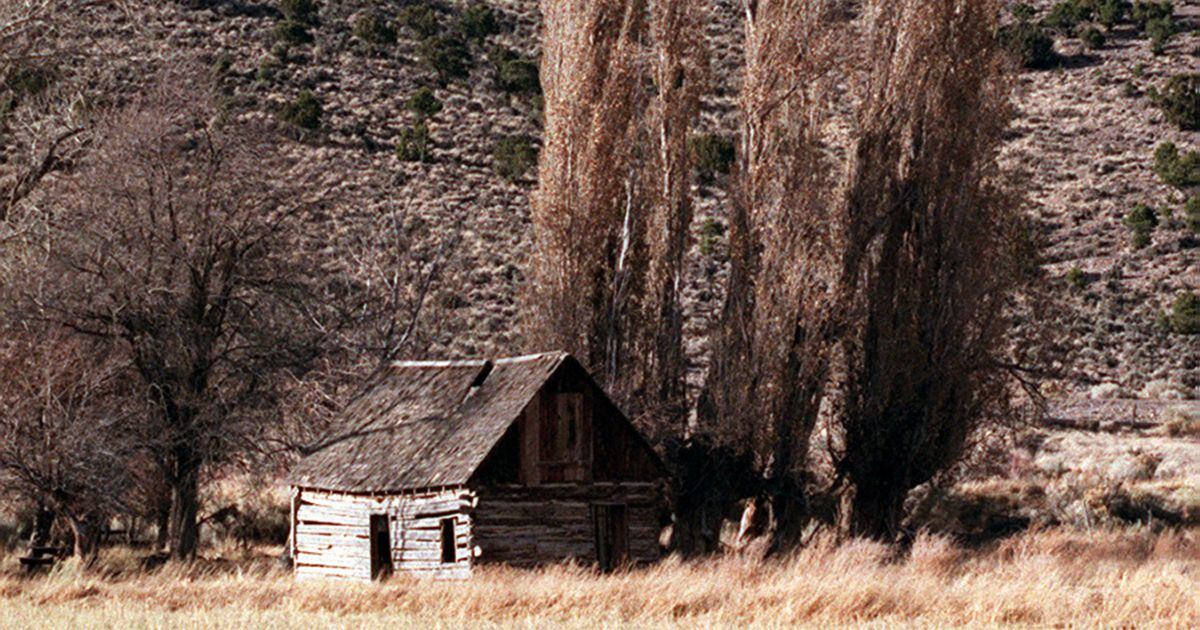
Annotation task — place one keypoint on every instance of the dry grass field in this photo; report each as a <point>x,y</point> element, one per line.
<point>1049,578</point>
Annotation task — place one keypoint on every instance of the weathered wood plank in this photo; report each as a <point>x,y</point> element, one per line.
<point>333,561</point>
<point>311,514</point>
<point>325,529</point>
<point>426,535</point>
<point>328,542</point>
<point>421,564</point>
<point>325,543</point>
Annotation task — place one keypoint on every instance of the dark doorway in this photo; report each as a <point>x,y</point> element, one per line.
<point>449,544</point>
<point>381,547</point>
<point>612,535</point>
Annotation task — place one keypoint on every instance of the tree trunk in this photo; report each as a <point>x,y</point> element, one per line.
<point>162,520</point>
<point>185,493</point>
<point>42,522</point>
<point>789,515</point>
<point>874,512</point>
<point>87,537</point>
<point>696,532</point>
<point>708,483</point>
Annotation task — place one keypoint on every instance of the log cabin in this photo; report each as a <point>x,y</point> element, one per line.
<point>440,466</point>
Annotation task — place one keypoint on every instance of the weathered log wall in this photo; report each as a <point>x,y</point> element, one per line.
<point>531,525</point>
<point>331,533</point>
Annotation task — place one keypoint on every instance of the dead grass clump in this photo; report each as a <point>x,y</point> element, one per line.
<point>1181,422</point>
<point>936,555</point>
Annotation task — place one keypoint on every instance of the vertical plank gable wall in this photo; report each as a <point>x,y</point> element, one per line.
<point>332,537</point>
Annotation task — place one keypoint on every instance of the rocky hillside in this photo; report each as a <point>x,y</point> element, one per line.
<point>1083,142</point>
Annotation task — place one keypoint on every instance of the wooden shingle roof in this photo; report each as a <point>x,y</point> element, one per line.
<point>425,424</point>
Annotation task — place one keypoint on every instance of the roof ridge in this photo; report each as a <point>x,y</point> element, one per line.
<point>442,363</point>
<point>532,357</point>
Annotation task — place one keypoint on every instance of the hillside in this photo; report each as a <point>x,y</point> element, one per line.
<point>1082,144</point>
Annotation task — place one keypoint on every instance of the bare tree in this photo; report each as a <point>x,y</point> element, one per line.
<point>177,241</point>
<point>678,68</point>
<point>65,443</point>
<point>389,270</point>
<point>585,221</point>
<point>930,272</point>
<point>772,351</point>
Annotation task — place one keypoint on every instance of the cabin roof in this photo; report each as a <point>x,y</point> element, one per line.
<point>424,424</point>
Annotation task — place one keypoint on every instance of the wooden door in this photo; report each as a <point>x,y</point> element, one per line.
<point>381,547</point>
<point>612,535</point>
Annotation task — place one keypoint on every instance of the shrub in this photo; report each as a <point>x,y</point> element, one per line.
<point>514,73</point>
<point>1067,15</point>
<point>1112,12</point>
<point>1141,222</point>
<point>373,30</point>
<point>27,81</point>
<point>222,65</point>
<point>292,33</point>
<point>268,69</point>
<point>1076,277</point>
<point>414,143</point>
<point>1143,12</point>
<point>422,19</point>
<point>1185,314</point>
<point>1191,213</point>
<point>305,112</point>
<point>424,103</point>
<point>1160,31</point>
<point>513,156</point>
<point>1181,422</point>
<point>1023,11</point>
<point>1093,37</point>
<point>1174,169</point>
<point>712,154</point>
<point>711,232</point>
<point>478,21</point>
<point>447,55</point>
<point>1180,101</point>
<point>300,11</point>
<point>1031,44</point>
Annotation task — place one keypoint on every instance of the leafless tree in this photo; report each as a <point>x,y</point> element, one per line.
<point>772,350</point>
<point>390,269</point>
<point>65,443</point>
<point>585,221</point>
<point>930,273</point>
<point>177,241</point>
<point>678,68</point>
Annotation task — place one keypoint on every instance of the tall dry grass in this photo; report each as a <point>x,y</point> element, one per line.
<point>1113,579</point>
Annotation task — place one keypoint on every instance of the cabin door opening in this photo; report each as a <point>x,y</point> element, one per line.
<point>612,535</point>
<point>381,547</point>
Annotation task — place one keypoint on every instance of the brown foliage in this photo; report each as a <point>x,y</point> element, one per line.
<point>653,375</point>
<point>583,217</point>
<point>772,352</point>
<point>622,82</point>
<point>930,268</point>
